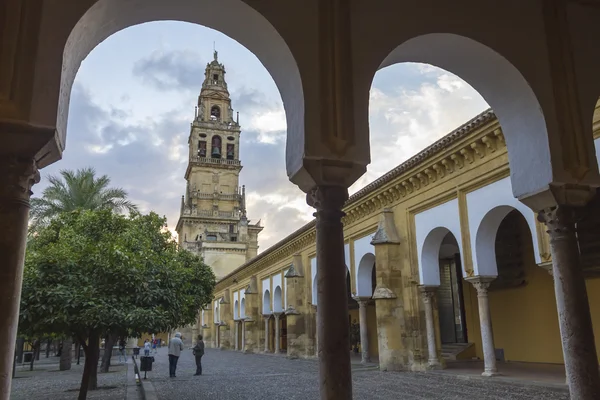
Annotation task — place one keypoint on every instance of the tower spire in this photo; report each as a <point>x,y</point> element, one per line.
<point>215,53</point>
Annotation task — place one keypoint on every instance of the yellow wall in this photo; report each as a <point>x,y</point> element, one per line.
<point>163,335</point>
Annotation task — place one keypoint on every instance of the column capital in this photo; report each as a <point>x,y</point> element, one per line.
<point>277,314</point>
<point>19,175</point>
<point>427,292</point>
<point>362,300</point>
<point>328,200</point>
<point>481,283</point>
<point>266,316</point>
<point>560,221</point>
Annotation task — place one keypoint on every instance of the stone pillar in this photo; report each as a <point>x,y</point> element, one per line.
<point>251,325</point>
<point>267,317</point>
<point>243,323</point>
<point>17,176</point>
<point>481,284</point>
<point>236,323</point>
<point>277,332</point>
<point>579,349</point>
<point>332,324</point>
<point>428,294</point>
<point>296,312</point>
<point>364,332</point>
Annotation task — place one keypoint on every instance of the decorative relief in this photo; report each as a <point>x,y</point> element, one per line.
<point>478,149</point>
<point>466,153</point>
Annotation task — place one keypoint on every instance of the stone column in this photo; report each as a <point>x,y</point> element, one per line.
<point>266,317</point>
<point>243,323</point>
<point>364,332</point>
<point>481,284</point>
<point>237,323</point>
<point>428,294</point>
<point>579,348</point>
<point>17,176</point>
<point>276,332</point>
<point>332,324</point>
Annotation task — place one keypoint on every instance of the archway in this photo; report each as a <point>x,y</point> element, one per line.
<point>236,306</point>
<point>451,307</point>
<point>504,88</point>
<point>83,29</point>
<point>243,309</point>
<point>267,302</point>
<point>277,303</point>
<point>366,268</point>
<point>525,329</point>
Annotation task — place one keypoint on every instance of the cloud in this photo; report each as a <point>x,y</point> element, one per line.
<point>175,70</point>
<point>415,113</point>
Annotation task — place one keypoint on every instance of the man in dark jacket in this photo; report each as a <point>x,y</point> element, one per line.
<point>199,352</point>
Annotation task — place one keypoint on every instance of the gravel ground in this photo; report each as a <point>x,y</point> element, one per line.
<point>229,375</point>
<point>47,382</point>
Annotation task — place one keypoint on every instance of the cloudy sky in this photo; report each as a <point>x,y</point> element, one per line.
<point>134,97</point>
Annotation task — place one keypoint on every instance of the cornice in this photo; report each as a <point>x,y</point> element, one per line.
<point>452,154</point>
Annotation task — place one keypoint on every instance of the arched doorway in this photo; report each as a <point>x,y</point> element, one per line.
<point>452,319</point>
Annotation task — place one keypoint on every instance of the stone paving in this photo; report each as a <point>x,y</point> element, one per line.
<point>229,375</point>
<point>46,381</point>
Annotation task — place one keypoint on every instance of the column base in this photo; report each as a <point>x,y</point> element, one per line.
<point>434,365</point>
<point>490,373</point>
<point>365,361</point>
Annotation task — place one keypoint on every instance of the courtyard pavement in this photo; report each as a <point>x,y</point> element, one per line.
<point>229,375</point>
<point>46,381</point>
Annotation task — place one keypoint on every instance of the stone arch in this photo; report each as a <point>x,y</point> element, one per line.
<point>267,302</point>
<point>364,274</point>
<point>485,241</point>
<point>243,308</point>
<point>84,28</point>
<point>236,306</point>
<point>430,253</point>
<point>503,87</point>
<point>277,304</point>
<point>216,316</point>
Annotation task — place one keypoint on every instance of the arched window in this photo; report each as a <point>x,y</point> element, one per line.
<point>215,113</point>
<point>202,148</point>
<point>216,147</point>
<point>230,151</point>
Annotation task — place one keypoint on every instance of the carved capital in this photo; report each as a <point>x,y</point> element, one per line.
<point>427,293</point>
<point>328,200</point>
<point>560,221</point>
<point>17,176</point>
<point>481,284</point>
<point>362,301</point>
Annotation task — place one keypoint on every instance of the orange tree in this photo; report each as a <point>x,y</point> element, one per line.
<point>88,273</point>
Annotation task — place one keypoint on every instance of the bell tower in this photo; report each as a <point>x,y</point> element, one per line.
<point>213,221</point>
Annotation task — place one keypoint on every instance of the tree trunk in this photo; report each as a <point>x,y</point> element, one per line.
<point>94,353</point>
<point>85,379</point>
<point>77,350</point>
<point>19,349</point>
<point>35,353</point>
<point>65,355</point>
<point>108,348</point>
<point>48,344</point>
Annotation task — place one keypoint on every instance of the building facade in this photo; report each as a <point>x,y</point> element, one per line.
<point>213,222</point>
<point>443,263</point>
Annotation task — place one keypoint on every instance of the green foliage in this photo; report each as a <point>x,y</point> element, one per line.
<point>97,271</point>
<point>76,191</point>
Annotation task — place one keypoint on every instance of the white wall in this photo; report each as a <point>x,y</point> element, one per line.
<point>362,247</point>
<point>487,207</point>
<point>277,282</point>
<point>431,227</point>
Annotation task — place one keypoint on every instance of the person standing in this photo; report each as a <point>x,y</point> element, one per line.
<point>147,347</point>
<point>198,353</point>
<point>122,355</point>
<point>175,348</point>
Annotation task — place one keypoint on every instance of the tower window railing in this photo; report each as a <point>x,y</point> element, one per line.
<point>214,160</point>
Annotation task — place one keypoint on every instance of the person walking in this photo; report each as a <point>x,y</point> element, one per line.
<point>154,346</point>
<point>198,353</point>
<point>175,348</point>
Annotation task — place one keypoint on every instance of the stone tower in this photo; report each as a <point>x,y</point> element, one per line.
<point>213,222</point>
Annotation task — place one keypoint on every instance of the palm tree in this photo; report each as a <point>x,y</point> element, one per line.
<point>77,190</point>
